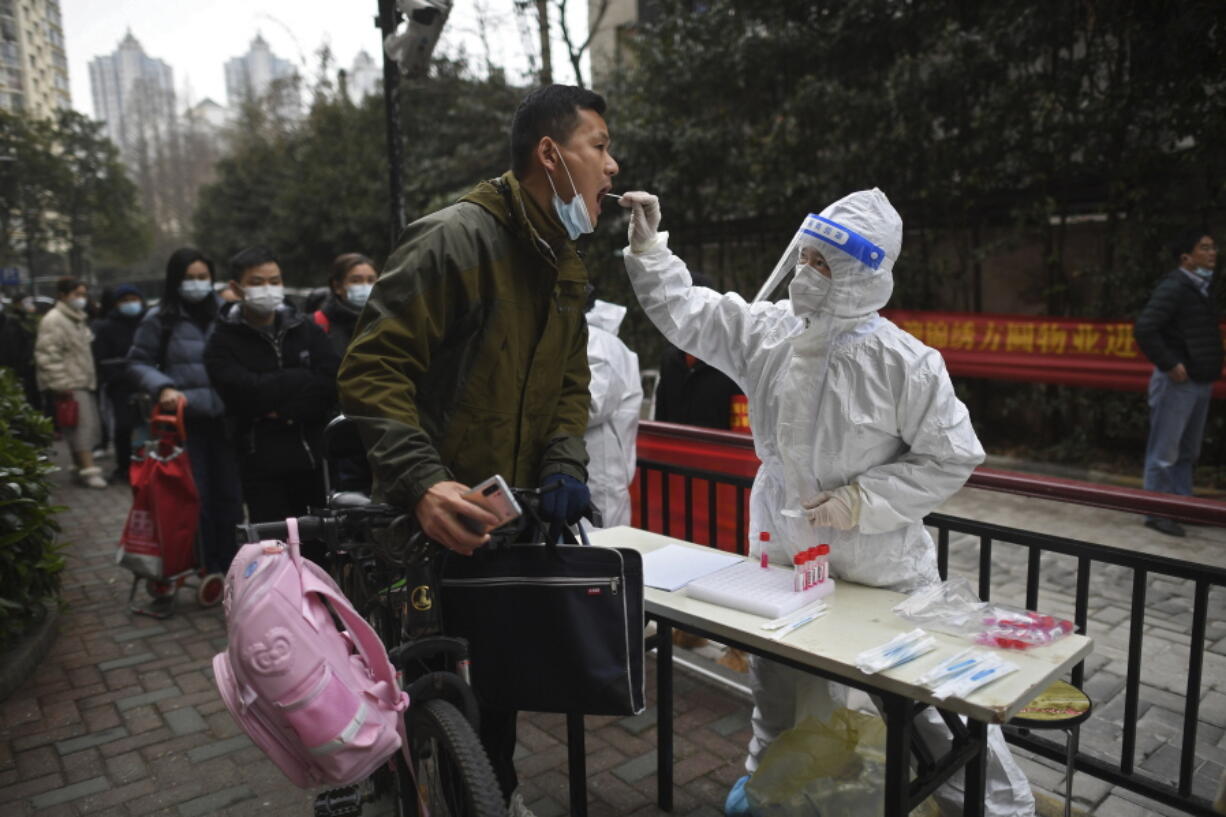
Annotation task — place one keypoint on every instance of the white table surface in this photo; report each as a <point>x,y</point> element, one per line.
<point>860,618</point>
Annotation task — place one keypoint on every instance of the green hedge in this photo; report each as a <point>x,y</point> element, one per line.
<point>30,561</point>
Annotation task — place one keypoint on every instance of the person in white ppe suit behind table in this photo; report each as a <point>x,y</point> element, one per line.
<point>855,421</point>
<point>613,419</point>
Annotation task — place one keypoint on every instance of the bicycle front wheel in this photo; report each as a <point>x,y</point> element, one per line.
<point>453,774</point>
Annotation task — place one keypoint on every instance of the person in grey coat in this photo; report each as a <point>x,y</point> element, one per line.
<point>167,361</point>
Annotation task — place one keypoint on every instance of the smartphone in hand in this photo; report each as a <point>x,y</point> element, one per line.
<point>493,495</point>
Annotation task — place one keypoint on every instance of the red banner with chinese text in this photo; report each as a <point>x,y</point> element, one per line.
<point>1096,354</point>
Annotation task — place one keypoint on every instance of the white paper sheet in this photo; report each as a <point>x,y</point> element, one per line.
<point>672,567</point>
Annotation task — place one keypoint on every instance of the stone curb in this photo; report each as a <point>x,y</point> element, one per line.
<point>20,662</point>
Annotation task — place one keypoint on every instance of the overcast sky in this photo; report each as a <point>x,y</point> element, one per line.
<point>196,38</point>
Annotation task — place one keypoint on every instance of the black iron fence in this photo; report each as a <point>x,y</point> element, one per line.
<point>659,482</point>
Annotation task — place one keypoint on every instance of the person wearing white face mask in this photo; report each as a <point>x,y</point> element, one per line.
<point>64,363</point>
<point>1179,330</point>
<point>167,362</point>
<point>113,336</point>
<point>855,422</point>
<point>352,279</point>
<point>276,371</point>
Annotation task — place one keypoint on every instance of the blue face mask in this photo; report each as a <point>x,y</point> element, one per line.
<point>129,309</point>
<point>1204,272</point>
<point>573,214</point>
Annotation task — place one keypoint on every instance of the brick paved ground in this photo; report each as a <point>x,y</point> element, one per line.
<point>122,717</point>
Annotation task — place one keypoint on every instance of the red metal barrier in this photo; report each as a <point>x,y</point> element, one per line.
<point>731,454</point>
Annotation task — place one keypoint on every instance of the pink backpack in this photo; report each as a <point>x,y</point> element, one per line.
<point>322,703</point>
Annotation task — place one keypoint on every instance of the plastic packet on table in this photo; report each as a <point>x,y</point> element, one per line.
<point>954,607</point>
<point>898,650</point>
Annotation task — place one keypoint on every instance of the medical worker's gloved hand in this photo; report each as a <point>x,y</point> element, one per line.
<point>644,220</point>
<point>839,509</point>
<point>563,504</point>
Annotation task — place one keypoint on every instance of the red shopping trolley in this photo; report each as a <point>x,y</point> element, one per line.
<point>159,542</point>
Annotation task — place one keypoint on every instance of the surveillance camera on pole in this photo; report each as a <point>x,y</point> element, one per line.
<point>411,47</point>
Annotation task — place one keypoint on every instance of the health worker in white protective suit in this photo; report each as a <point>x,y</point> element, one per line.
<point>855,421</point>
<point>613,420</point>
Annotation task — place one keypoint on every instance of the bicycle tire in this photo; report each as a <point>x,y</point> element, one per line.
<point>453,773</point>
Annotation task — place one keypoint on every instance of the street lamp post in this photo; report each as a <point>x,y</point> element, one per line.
<point>405,52</point>
<point>387,22</point>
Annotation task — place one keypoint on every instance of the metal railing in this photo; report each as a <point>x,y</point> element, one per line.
<point>658,481</point>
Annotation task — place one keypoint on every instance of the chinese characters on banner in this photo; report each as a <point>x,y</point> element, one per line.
<point>1096,354</point>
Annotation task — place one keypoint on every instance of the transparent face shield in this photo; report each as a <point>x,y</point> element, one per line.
<point>821,237</point>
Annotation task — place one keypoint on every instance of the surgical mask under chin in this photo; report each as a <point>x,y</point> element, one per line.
<point>264,300</point>
<point>1204,272</point>
<point>194,291</point>
<point>358,294</point>
<point>573,214</point>
<point>129,308</point>
<point>808,290</point>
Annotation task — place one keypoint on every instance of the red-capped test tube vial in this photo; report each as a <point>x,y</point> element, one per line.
<point>764,539</point>
<point>797,575</point>
<point>823,562</point>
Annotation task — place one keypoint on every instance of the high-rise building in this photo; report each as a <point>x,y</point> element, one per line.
<point>364,77</point>
<point>134,94</point>
<point>258,73</point>
<point>33,64</point>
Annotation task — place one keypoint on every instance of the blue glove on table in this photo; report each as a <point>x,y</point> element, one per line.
<point>563,504</point>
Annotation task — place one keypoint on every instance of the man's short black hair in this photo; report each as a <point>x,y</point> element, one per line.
<point>255,256</point>
<point>66,284</point>
<point>552,111</point>
<point>1187,239</point>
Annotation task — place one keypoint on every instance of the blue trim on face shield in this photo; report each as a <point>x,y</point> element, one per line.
<point>835,234</point>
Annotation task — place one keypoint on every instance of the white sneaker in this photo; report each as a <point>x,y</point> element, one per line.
<point>91,477</point>
<point>517,807</point>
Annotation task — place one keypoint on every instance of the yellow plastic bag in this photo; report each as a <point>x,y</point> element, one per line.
<point>834,768</point>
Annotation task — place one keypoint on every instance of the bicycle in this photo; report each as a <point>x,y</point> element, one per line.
<point>377,566</point>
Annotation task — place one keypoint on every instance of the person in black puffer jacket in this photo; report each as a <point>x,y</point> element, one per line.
<point>1179,331</point>
<point>166,362</point>
<point>113,337</point>
<point>276,371</point>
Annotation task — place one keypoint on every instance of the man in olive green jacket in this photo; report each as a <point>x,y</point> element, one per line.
<point>470,357</point>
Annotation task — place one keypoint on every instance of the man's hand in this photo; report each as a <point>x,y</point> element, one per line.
<point>169,397</point>
<point>644,220</point>
<point>838,509</point>
<point>1178,374</point>
<point>439,512</point>
<point>563,502</point>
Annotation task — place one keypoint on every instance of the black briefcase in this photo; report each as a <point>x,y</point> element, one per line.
<point>551,628</point>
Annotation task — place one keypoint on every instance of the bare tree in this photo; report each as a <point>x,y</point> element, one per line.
<point>576,53</point>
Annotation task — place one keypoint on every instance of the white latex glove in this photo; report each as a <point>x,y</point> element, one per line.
<point>839,509</point>
<point>644,220</point>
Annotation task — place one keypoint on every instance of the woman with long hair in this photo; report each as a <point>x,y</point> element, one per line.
<point>167,360</point>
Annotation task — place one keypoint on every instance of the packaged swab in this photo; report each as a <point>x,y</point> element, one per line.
<point>962,662</point>
<point>963,684</point>
<point>898,650</point>
<point>783,621</point>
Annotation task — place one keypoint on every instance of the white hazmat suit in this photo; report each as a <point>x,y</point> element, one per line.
<point>840,400</point>
<point>613,421</point>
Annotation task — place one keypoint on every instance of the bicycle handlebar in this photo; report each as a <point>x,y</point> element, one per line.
<point>328,525</point>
